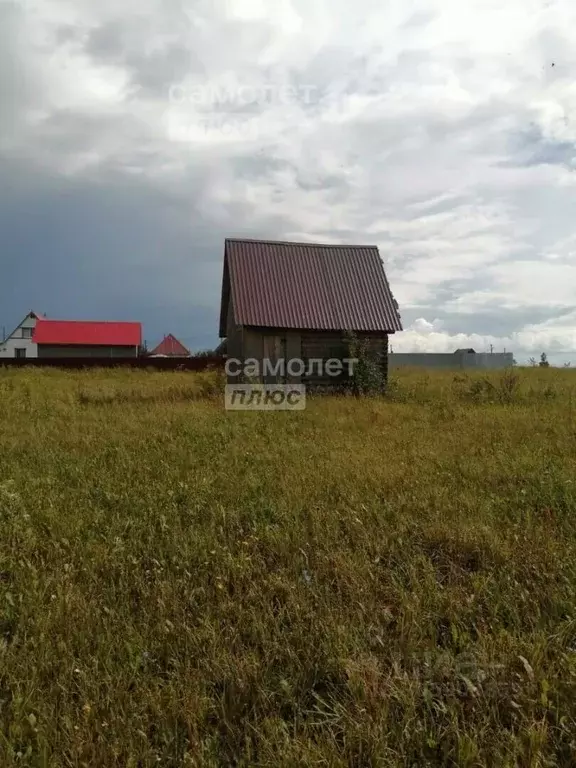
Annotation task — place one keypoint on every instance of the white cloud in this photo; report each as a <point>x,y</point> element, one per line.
<point>532,283</point>
<point>555,337</point>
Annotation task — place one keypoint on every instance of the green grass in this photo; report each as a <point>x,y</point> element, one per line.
<point>378,582</point>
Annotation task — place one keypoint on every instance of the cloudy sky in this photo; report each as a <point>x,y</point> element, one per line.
<point>136,135</point>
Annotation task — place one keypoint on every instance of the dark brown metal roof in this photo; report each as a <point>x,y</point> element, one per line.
<point>307,286</point>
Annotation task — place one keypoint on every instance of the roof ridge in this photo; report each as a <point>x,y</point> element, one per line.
<point>115,322</point>
<point>298,243</point>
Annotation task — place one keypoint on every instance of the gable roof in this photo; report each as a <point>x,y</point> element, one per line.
<point>87,332</point>
<point>306,286</point>
<point>171,347</point>
<point>35,315</point>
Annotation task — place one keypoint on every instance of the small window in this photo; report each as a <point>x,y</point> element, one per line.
<point>27,333</point>
<point>20,352</point>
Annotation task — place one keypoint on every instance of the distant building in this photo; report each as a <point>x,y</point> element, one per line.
<point>38,337</point>
<point>461,359</point>
<point>170,347</point>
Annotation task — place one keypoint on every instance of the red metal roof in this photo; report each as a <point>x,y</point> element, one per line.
<point>171,347</point>
<point>87,332</point>
<point>307,286</point>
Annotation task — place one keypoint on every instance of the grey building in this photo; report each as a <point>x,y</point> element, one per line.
<point>298,301</point>
<point>461,359</point>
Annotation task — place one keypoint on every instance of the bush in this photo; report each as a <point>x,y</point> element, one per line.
<point>505,389</point>
<point>368,376</point>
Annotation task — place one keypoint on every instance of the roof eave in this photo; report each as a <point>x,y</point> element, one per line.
<point>225,295</point>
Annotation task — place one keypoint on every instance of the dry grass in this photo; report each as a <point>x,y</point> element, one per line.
<point>386,582</point>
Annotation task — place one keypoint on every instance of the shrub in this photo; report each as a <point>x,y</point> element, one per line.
<point>367,377</point>
<point>505,389</point>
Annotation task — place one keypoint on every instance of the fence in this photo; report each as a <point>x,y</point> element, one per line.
<point>450,361</point>
<point>157,363</point>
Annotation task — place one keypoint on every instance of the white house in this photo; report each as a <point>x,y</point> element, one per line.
<point>38,337</point>
<point>19,343</point>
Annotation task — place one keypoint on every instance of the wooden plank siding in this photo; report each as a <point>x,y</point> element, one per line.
<point>327,345</point>
<point>234,345</point>
<point>275,343</point>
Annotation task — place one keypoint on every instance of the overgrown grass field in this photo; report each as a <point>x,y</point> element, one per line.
<point>369,582</point>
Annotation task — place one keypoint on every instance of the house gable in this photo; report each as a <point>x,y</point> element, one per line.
<point>20,342</point>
